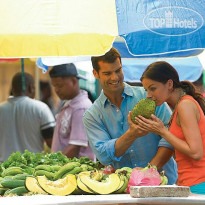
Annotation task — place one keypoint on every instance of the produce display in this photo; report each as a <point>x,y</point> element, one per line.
<point>145,107</point>
<point>148,176</point>
<point>55,174</point>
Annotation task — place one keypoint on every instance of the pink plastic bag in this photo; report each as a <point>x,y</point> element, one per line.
<point>149,177</point>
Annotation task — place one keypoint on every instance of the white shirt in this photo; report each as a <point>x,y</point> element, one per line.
<point>21,122</point>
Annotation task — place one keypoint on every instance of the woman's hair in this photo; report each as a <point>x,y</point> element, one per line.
<point>161,71</point>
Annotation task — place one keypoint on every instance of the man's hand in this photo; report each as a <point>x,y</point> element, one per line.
<point>126,140</point>
<point>71,151</point>
<point>135,129</point>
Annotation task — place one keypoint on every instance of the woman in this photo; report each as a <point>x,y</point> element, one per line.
<point>186,129</point>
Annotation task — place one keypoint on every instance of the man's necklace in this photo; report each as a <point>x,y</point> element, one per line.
<point>182,94</point>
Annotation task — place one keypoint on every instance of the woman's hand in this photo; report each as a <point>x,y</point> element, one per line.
<point>154,125</point>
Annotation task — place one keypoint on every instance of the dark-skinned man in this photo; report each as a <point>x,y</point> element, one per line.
<point>69,134</point>
<point>26,123</point>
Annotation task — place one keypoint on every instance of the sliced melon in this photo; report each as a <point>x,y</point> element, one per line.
<point>82,186</point>
<point>60,187</point>
<point>31,184</point>
<point>123,185</point>
<point>77,191</point>
<point>108,186</point>
<point>120,186</point>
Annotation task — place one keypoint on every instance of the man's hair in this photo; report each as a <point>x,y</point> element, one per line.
<point>17,87</point>
<point>108,57</point>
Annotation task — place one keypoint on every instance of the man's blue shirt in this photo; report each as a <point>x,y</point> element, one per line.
<point>105,123</point>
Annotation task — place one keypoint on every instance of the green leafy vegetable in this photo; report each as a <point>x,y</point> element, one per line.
<point>28,160</point>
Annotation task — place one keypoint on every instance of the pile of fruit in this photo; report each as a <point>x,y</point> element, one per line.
<point>57,175</point>
<point>72,178</point>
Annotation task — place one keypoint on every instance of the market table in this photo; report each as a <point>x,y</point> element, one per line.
<point>111,199</point>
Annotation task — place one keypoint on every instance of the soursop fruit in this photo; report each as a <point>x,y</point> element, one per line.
<point>144,107</point>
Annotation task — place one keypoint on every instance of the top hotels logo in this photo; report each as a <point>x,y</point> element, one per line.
<point>173,21</point>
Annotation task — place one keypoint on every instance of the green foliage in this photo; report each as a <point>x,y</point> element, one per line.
<point>28,160</point>
<point>86,160</point>
<point>14,160</point>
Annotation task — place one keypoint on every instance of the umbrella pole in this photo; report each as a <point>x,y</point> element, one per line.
<point>23,76</point>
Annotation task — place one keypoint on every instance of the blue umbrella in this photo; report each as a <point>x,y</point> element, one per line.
<point>187,68</point>
<point>166,28</point>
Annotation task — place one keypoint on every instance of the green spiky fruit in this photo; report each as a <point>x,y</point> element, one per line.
<point>145,107</point>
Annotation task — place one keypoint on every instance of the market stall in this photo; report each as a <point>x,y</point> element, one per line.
<point>50,35</point>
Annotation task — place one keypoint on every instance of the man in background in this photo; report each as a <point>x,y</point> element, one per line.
<point>69,134</point>
<point>46,96</point>
<point>25,123</point>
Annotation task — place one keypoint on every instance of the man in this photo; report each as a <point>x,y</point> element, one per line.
<point>113,137</point>
<point>25,123</point>
<point>69,134</point>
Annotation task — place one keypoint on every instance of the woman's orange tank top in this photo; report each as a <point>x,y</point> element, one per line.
<point>190,171</point>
